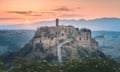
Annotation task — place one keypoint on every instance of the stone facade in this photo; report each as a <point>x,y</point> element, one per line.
<point>51,36</point>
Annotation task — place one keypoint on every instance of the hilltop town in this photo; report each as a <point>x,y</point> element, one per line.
<point>73,42</point>
<point>51,36</point>
<point>58,42</point>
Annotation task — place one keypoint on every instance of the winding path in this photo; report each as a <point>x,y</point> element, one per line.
<point>59,53</point>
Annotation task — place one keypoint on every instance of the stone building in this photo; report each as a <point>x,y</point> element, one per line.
<point>47,40</point>
<point>51,36</point>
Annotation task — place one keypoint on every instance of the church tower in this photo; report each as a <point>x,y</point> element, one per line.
<point>57,22</point>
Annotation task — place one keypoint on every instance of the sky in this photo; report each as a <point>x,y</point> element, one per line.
<point>30,11</point>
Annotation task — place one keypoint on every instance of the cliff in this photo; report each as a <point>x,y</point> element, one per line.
<point>81,44</point>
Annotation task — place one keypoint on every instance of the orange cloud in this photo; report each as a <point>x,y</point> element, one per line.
<point>9,18</point>
<point>63,8</point>
<point>49,9</point>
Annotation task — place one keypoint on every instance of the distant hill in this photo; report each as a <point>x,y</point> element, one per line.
<point>105,24</point>
<point>13,40</point>
<point>109,42</point>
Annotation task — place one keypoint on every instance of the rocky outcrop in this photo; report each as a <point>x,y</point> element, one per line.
<point>46,40</point>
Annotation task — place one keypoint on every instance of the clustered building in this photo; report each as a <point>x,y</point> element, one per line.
<point>51,36</point>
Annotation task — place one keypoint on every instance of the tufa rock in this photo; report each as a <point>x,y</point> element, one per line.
<point>46,39</point>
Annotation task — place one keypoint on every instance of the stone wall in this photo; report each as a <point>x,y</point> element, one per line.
<point>50,36</point>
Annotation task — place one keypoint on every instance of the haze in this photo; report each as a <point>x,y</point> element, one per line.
<point>20,11</point>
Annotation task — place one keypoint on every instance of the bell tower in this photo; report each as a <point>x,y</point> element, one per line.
<point>57,22</point>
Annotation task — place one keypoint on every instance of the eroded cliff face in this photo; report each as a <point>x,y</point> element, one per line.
<point>46,40</point>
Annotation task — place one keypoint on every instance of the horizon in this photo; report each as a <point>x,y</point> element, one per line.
<point>60,19</point>
<point>98,24</point>
<point>30,13</point>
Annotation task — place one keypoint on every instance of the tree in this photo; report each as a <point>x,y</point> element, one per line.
<point>2,67</point>
<point>91,65</point>
<point>74,65</point>
<point>33,65</point>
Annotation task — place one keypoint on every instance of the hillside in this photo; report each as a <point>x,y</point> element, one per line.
<point>112,39</point>
<point>13,40</point>
<point>109,42</point>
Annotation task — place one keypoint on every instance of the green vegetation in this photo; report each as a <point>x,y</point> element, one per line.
<point>33,65</point>
<point>91,65</point>
<point>2,67</point>
<point>73,65</point>
<point>40,46</point>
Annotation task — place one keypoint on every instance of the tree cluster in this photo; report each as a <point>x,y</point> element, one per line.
<point>73,65</point>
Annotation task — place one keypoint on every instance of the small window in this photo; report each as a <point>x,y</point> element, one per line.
<point>52,38</point>
<point>62,34</point>
<point>80,38</point>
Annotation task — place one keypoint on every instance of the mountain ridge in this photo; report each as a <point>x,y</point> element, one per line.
<point>106,24</point>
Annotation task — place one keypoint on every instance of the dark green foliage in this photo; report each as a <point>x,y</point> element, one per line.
<point>91,65</point>
<point>83,52</point>
<point>73,65</point>
<point>40,47</point>
<point>50,57</point>
<point>24,51</point>
<point>2,67</point>
<point>33,65</point>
